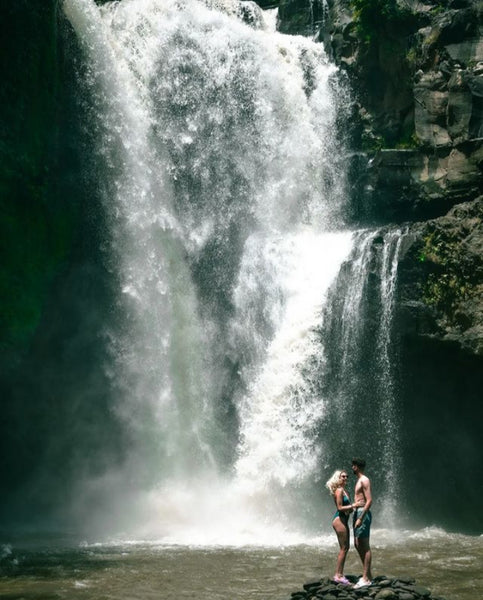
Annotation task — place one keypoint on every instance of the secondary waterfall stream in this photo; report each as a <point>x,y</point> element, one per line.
<point>222,178</point>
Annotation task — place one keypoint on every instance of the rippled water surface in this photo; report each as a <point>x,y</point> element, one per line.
<point>448,564</point>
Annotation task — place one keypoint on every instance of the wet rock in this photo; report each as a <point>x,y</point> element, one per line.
<point>299,16</point>
<point>267,3</point>
<point>444,259</point>
<point>404,580</point>
<point>420,592</point>
<point>386,594</point>
<point>311,585</point>
<point>382,588</point>
<point>328,589</point>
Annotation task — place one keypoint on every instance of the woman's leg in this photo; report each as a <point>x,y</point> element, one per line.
<point>342,531</point>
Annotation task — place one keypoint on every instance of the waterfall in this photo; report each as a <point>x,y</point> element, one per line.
<point>359,378</point>
<point>392,242</point>
<point>222,179</point>
<point>318,12</point>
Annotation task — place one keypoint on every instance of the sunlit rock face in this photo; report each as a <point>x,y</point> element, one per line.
<point>421,99</point>
<point>418,116</point>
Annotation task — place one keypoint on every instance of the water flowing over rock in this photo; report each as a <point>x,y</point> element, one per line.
<point>229,263</point>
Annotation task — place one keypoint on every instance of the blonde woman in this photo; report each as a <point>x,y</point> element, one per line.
<point>336,486</point>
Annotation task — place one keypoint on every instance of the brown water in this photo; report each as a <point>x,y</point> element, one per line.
<point>449,564</point>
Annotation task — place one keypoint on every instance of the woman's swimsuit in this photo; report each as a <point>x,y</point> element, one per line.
<point>345,502</point>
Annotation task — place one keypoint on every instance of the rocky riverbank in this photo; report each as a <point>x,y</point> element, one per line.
<point>382,588</point>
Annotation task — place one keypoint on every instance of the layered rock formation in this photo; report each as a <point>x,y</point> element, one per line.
<point>416,71</point>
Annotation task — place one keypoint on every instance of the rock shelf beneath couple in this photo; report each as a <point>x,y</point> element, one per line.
<point>381,588</point>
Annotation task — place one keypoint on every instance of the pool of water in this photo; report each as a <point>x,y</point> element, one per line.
<point>61,568</point>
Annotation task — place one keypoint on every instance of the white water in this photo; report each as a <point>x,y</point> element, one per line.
<point>389,412</point>
<point>222,187</point>
<point>363,374</point>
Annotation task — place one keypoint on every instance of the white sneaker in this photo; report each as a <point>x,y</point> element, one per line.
<point>361,583</point>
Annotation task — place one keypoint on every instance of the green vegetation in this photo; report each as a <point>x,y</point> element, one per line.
<point>408,141</point>
<point>374,17</point>
<point>452,278</point>
<point>372,144</point>
<point>34,244</point>
<point>412,57</point>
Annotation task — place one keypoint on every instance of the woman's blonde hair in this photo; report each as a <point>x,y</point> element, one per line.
<point>334,481</point>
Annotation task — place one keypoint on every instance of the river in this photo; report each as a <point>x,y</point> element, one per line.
<point>33,568</point>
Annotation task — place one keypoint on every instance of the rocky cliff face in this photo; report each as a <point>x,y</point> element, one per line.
<point>416,71</point>
<point>418,76</point>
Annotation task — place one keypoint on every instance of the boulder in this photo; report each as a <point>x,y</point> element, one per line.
<point>441,278</point>
<point>382,588</point>
<point>418,105</point>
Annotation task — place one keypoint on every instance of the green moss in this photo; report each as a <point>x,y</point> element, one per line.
<point>446,290</point>
<point>412,57</point>
<point>374,17</point>
<point>437,10</point>
<point>408,141</point>
<point>451,280</point>
<point>372,144</point>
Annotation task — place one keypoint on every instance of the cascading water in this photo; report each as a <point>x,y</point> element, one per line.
<point>221,176</point>
<point>358,334</point>
<point>388,408</point>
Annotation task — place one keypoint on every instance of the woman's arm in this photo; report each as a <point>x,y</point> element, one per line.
<point>339,499</point>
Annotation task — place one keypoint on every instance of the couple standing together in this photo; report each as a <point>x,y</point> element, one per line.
<point>361,520</point>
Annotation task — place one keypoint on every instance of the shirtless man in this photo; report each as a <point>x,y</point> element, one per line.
<point>362,520</point>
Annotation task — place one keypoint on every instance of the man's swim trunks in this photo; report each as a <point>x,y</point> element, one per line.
<point>365,529</point>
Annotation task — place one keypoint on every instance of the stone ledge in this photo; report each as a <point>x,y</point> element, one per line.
<point>415,184</point>
<point>382,588</point>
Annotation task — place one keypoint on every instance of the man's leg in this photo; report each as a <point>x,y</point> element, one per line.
<point>364,550</point>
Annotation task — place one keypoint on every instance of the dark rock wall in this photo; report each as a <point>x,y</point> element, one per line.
<point>299,17</point>
<point>30,140</point>
<point>417,70</point>
<point>54,285</point>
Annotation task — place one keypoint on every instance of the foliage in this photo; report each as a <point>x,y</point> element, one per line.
<point>451,279</point>
<point>374,17</point>
<point>412,57</point>
<point>408,141</point>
